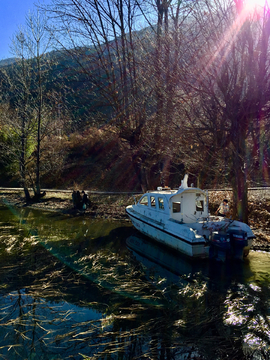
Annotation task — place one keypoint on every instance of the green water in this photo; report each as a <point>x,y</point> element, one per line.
<point>76,288</point>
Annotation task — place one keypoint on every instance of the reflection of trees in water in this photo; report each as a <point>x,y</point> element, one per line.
<point>127,310</point>
<point>248,312</point>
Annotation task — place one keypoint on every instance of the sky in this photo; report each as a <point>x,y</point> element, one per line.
<point>12,15</point>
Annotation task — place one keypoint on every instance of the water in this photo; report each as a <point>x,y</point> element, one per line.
<point>76,288</point>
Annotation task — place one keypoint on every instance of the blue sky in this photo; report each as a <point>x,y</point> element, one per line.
<point>12,15</point>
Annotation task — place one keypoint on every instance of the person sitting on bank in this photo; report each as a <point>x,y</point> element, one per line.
<point>74,199</point>
<point>223,208</point>
<point>85,200</point>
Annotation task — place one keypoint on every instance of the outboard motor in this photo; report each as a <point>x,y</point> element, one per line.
<point>220,245</point>
<point>239,241</point>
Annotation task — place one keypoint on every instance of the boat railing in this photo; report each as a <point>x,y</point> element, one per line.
<point>160,188</point>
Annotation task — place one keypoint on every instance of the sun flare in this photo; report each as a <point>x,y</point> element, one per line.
<point>254,4</point>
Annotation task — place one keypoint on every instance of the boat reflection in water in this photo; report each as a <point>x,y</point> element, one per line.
<point>174,265</point>
<point>170,263</point>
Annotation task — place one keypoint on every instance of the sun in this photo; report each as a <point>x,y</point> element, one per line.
<point>249,8</point>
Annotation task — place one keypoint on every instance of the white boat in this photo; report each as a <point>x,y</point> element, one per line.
<point>180,219</point>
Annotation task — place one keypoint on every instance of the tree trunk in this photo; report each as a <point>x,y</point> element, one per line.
<point>239,182</point>
<point>140,172</point>
<point>240,196</point>
<point>26,193</point>
<point>22,158</point>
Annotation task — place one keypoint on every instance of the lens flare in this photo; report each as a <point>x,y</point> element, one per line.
<point>251,5</point>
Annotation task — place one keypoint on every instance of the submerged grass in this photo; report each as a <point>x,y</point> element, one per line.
<point>73,296</point>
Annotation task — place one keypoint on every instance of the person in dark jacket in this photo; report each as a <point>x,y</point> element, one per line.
<point>74,199</point>
<point>85,200</point>
<point>78,200</point>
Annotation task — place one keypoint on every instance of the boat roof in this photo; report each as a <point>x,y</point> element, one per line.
<point>172,192</point>
<point>183,188</point>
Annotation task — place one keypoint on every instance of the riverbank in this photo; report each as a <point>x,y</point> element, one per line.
<point>112,206</point>
<point>103,205</point>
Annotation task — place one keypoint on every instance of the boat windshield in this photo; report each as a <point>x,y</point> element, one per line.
<point>144,200</point>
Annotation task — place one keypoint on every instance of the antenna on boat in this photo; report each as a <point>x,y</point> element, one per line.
<point>184,183</point>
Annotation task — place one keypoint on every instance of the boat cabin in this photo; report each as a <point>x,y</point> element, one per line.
<point>188,206</point>
<point>185,205</point>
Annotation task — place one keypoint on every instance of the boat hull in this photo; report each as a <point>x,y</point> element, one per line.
<point>184,238</point>
<point>182,241</point>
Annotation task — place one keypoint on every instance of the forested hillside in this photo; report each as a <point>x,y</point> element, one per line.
<point>128,95</point>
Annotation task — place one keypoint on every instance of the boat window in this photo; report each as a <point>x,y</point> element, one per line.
<point>176,207</point>
<point>199,205</point>
<point>161,203</point>
<point>153,201</point>
<point>144,200</point>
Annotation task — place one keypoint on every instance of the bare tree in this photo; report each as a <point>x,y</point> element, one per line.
<point>39,41</point>
<point>30,115</point>
<point>227,88</point>
<point>168,59</point>
<point>22,102</point>
<point>104,40</point>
